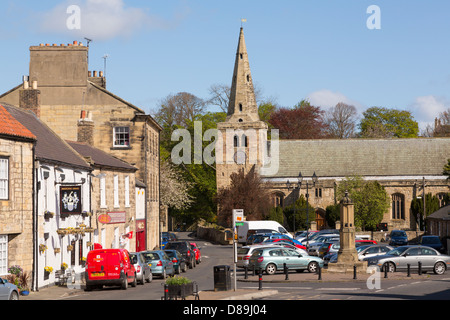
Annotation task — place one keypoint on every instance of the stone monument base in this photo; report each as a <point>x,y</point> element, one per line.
<point>347,267</point>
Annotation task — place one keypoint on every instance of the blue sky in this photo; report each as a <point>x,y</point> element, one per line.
<point>319,50</point>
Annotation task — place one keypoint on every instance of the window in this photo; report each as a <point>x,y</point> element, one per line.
<point>3,254</point>
<point>240,107</point>
<point>121,137</point>
<point>398,206</point>
<point>116,191</point>
<point>318,192</point>
<point>127,191</point>
<point>102,192</point>
<point>236,141</point>
<point>4,179</point>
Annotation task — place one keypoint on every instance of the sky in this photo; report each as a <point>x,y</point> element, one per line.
<point>393,55</point>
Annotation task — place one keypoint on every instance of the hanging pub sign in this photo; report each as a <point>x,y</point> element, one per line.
<point>70,199</point>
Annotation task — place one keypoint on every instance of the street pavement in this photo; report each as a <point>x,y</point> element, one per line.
<point>63,293</point>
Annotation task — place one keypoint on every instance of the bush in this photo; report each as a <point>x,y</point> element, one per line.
<point>178,281</point>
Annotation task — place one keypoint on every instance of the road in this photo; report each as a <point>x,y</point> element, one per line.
<point>434,287</point>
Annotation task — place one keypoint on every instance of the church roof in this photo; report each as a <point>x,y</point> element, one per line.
<point>363,157</point>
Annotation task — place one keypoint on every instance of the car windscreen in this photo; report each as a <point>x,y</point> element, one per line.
<point>430,240</point>
<point>243,250</point>
<point>176,246</point>
<point>398,234</point>
<point>151,256</point>
<point>397,251</point>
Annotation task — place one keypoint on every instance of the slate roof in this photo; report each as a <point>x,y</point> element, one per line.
<point>99,157</point>
<point>442,213</point>
<point>11,127</point>
<point>364,157</point>
<point>49,146</point>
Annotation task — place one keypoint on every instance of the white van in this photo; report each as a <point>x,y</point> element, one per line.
<point>251,227</point>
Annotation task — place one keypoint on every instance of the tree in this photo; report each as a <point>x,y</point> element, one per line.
<point>388,123</point>
<point>341,121</point>
<point>304,121</point>
<point>247,192</point>
<point>431,205</point>
<point>370,199</point>
<point>332,214</point>
<point>174,189</point>
<point>299,213</point>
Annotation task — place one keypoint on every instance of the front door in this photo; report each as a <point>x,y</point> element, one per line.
<point>140,241</point>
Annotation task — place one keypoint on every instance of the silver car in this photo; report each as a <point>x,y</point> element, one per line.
<point>399,258</point>
<point>143,270</point>
<point>8,291</point>
<point>365,252</point>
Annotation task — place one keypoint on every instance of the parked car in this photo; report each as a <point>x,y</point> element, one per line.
<point>313,247</point>
<point>160,263</point>
<point>272,259</point>
<point>302,236</point>
<point>178,261</point>
<point>364,242</point>
<point>8,291</point>
<point>198,254</point>
<point>368,251</point>
<point>398,238</point>
<point>143,270</point>
<point>258,238</point>
<point>244,253</point>
<point>399,258</point>
<point>109,267</point>
<point>328,247</point>
<point>283,238</point>
<point>185,249</point>
<point>433,242</point>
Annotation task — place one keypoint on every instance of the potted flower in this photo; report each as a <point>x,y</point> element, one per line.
<point>15,270</point>
<point>179,287</point>
<point>48,269</point>
<point>57,250</point>
<point>48,214</point>
<point>64,266</point>
<point>24,279</point>
<point>69,247</point>
<point>42,248</point>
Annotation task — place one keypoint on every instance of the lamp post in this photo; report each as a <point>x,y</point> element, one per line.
<point>315,179</point>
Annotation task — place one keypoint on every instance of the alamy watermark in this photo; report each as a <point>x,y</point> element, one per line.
<point>73,22</point>
<point>235,146</point>
<point>374,20</point>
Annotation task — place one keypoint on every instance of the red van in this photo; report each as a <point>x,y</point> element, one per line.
<point>109,267</point>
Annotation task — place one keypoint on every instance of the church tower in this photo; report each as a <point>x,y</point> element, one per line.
<point>243,134</point>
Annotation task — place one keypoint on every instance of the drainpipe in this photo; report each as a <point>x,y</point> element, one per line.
<point>35,274</point>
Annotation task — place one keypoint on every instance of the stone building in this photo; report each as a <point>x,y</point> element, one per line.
<point>17,145</point>
<point>60,73</point>
<point>61,198</point>
<point>402,166</point>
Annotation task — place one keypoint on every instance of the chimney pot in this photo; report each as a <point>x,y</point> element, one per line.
<point>83,114</point>
<point>101,74</point>
<point>34,84</point>
<point>95,74</point>
<point>26,84</point>
<point>75,43</point>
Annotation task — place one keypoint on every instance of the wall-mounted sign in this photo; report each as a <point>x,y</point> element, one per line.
<point>70,199</point>
<point>112,217</point>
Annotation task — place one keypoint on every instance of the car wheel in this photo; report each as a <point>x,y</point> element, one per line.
<point>134,283</point>
<point>439,268</point>
<point>178,269</point>
<point>191,264</point>
<point>313,266</point>
<point>390,266</point>
<point>271,268</point>
<point>124,283</point>
<point>14,296</point>
<point>149,278</point>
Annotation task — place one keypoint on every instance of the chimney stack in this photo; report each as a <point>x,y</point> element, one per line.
<point>86,128</point>
<point>30,98</point>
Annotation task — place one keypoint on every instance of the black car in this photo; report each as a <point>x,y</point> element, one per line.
<point>185,249</point>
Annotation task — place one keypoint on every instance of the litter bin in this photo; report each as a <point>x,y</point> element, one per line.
<point>222,278</point>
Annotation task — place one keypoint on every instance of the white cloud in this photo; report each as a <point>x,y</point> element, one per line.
<point>426,108</point>
<point>327,99</point>
<point>103,19</point>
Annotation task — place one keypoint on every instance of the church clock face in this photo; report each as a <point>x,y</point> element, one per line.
<point>239,157</point>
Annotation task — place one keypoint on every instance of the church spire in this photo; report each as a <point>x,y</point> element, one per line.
<point>242,105</point>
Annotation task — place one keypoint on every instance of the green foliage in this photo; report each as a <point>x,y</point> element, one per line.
<point>177,280</point>
<point>276,214</point>
<point>300,213</point>
<point>332,214</point>
<point>370,199</point>
<point>388,123</point>
<point>431,205</point>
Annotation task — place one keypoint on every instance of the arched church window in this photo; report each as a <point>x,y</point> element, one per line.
<point>398,206</point>
<point>236,141</point>
<point>244,140</point>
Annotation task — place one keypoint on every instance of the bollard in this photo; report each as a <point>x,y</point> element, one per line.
<point>246,272</point>
<point>260,280</point>
<point>420,268</point>
<point>286,271</point>
<point>319,271</point>
<point>386,266</point>
<point>354,272</point>
<point>254,271</point>
<point>166,292</point>
<point>409,270</point>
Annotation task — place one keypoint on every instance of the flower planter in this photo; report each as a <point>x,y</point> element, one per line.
<point>180,290</point>
<point>24,292</point>
<point>48,216</point>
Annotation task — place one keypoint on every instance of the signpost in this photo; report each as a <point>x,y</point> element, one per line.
<point>238,220</point>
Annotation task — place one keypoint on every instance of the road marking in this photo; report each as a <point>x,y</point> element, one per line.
<point>339,289</point>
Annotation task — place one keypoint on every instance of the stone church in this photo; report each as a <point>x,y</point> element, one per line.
<point>403,166</point>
